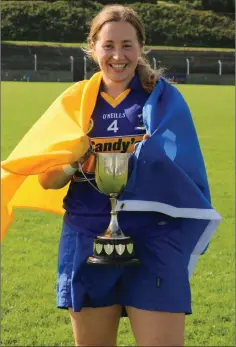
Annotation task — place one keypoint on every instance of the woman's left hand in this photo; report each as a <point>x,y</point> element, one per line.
<point>146,136</point>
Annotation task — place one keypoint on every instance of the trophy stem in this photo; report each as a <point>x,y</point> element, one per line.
<point>113,231</point>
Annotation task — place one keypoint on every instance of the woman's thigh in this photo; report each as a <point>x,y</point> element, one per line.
<point>155,328</point>
<point>96,326</point>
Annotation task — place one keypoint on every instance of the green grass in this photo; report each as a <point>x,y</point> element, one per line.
<point>29,251</point>
<point>147,47</point>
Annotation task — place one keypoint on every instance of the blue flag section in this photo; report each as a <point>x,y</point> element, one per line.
<point>168,172</point>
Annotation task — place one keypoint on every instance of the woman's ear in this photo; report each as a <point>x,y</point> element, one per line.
<point>142,47</point>
<point>92,49</point>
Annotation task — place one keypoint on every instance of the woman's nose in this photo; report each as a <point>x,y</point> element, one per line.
<point>118,54</point>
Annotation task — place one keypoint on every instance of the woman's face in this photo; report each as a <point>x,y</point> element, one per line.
<point>117,51</point>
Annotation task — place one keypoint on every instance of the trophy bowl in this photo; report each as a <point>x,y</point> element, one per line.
<point>112,247</point>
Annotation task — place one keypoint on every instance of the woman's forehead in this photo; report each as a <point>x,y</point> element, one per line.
<point>117,31</point>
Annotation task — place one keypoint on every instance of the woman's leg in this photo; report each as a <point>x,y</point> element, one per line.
<point>96,326</point>
<point>152,328</point>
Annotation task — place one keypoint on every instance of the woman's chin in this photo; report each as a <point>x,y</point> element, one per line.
<point>120,77</point>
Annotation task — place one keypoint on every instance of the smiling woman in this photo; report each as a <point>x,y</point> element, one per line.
<point>116,57</point>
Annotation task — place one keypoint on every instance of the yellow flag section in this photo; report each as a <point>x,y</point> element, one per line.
<point>58,137</point>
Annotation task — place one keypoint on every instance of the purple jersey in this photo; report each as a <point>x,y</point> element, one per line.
<point>115,123</point>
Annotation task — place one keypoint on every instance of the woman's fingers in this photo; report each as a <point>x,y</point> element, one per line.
<point>146,136</point>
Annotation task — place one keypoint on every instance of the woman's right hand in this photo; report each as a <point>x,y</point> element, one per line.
<point>59,176</point>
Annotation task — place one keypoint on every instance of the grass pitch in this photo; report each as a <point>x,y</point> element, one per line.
<point>29,251</point>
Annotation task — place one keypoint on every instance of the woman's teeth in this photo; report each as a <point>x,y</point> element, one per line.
<point>118,67</point>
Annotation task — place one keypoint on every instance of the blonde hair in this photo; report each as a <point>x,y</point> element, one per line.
<point>118,13</point>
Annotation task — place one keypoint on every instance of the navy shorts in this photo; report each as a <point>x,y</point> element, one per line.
<point>160,283</point>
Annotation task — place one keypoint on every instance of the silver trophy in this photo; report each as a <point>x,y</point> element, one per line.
<point>112,247</point>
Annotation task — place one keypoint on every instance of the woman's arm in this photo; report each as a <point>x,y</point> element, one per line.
<point>58,176</point>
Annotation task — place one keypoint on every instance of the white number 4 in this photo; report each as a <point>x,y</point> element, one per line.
<point>113,126</point>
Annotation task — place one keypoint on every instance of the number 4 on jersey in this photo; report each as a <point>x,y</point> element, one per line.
<point>113,126</point>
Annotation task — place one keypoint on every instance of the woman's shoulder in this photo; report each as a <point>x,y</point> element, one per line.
<point>166,93</point>
<point>76,87</point>
<point>73,92</point>
<point>168,88</point>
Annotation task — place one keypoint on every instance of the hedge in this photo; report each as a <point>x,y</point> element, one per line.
<point>165,25</point>
<point>224,6</point>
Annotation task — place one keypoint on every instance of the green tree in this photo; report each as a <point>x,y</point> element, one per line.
<point>165,25</point>
<point>126,2</point>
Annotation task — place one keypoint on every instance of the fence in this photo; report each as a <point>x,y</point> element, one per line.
<point>55,63</point>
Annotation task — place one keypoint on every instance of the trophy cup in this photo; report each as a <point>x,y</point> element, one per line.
<point>112,247</point>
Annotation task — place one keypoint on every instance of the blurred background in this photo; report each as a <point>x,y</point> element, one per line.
<point>42,42</point>
<point>192,39</point>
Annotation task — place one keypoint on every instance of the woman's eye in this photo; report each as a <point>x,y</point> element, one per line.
<point>108,46</point>
<point>127,46</point>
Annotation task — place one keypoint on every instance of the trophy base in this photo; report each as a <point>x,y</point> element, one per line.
<point>112,262</point>
<point>113,252</point>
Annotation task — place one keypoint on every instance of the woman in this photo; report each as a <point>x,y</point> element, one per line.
<point>168,185</point>
<point>116,42</point>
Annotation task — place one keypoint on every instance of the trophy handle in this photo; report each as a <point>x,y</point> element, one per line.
<point>89,181</point>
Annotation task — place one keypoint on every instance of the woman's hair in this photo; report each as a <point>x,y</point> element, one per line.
<point>118,13</point>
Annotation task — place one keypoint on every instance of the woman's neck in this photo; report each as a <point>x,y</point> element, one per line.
<point>114,89</point>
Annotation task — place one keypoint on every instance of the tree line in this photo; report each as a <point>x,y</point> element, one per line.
<point>68,21</point>
<point>219,6</point>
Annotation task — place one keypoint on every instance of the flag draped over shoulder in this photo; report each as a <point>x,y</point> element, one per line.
<point>57,138</point>
<point>168,174</point>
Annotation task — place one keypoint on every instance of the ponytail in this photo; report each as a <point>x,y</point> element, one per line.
<point>148,76</point>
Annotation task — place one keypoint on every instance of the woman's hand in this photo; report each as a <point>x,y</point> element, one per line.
<point>58,176</point>
<point>146,136</point>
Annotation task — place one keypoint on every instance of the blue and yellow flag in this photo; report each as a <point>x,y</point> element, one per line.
<point>168,174</point>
